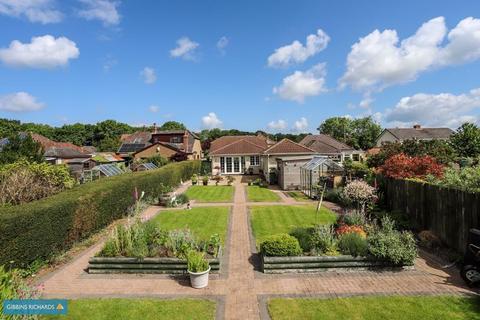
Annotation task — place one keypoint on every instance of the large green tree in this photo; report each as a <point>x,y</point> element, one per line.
<point>466,140</point>
<point>172,125</point>
<point>359,133</point>
<point>21,146</point>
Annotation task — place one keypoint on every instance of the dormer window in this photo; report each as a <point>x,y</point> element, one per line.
<point>176,139</point>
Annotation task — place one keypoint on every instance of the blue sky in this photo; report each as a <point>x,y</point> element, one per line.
<point>243,64</point>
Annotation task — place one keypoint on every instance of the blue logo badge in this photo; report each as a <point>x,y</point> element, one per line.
<point>34,306</point>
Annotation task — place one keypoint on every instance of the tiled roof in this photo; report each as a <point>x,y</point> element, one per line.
<point>56,149</point>
<point>241,146</point>
<point>421,133</point>
<point>323,143</point>
<point>138,137</point>
<point>224,141</point>
<point>286,146</point>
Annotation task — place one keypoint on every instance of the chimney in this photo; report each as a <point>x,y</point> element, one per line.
<point>154,127</point>
<point>417,127</point>
<point>185,141</point>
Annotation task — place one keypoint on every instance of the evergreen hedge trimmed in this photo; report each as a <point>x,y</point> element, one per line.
<point>40,228</point>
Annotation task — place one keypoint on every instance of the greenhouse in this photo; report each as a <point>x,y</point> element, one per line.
<point>317,172</point>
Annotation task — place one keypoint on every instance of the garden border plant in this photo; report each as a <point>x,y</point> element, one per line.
<point>38,229</point>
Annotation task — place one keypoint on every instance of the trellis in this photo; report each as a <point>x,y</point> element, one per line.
<point>313,171</point>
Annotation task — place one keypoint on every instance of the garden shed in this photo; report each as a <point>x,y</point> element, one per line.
<point>320,167</point>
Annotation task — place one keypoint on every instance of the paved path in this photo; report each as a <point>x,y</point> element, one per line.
<point>243,291</point>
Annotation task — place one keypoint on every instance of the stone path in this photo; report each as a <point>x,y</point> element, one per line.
<point>243,292</point>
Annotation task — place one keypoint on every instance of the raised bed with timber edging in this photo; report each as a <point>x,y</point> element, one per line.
<point>99,265</point>
<point>304,264</point>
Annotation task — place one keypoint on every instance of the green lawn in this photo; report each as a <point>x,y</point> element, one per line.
<point>202,221</point>
<point>259,194</point>
<point>133,309</point>
<point>372,308</point>
<point>298,196</point>
<point>210,193</point>
<point>269,220</point>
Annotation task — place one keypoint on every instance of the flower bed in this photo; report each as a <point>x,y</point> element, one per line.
<point>145,265</point>
<point>304,264</point>
<point>145,248</point>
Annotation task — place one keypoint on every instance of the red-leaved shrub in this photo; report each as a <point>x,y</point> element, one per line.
<point>401,166</point>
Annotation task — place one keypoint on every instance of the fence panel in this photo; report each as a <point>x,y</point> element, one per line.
<point>448,213</point>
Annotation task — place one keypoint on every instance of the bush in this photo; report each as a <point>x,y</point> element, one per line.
<point>50,225</point>
<point>401,166</point>
<point>323,240</point>
<point>12,286</point>
<point>360,194</point>
<point>344,229</point>
<point>354,218</point>
<point>280,245</point>
<point>390,245</point>
<point>304,237</point>
<point>196,261</point>
<point>182,198</point>
<point>353,244</point>
<point>24,181</point>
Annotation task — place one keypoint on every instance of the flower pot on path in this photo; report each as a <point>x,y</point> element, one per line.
<point>199,280</point>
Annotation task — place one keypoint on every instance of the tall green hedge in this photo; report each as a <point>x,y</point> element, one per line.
<point>40,228</point>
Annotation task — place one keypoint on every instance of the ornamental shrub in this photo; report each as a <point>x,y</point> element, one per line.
<point>344,229</point>
<point>401,166</point>
<point>41,228</point>
<point>360,194</point>
<point>353,244</point>
<point>24,181</point>
<point>323,240</point>
<point>390,245</point>
<point>304,237</point>
<point>280,245</point>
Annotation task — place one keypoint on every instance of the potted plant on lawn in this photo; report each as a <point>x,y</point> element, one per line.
<point>230,180</point>
<point>217,179</point>
<point>198,268</point>
<point>164,197</point>
<point>194,179</point>
<point>205,180</point>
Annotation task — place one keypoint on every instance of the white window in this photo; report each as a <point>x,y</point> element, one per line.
<point>254,160</point>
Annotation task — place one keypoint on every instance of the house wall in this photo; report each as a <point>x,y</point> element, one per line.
<point>289,174</point>
<point>196,151</point>
<point>155,150</point>
<point>385,136</point>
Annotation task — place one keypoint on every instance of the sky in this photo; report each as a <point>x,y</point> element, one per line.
<point>279,66</point>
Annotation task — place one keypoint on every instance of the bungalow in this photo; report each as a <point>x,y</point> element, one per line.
<point>415,133</point>
<point>172,144</point>
<point>254,155</point>
<point>335,150</point>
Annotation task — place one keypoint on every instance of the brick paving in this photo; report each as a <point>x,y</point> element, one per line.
<point>243,287</point>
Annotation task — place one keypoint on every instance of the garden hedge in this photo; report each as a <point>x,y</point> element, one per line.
<point>40,228</point>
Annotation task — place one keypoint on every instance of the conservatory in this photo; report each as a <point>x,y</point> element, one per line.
<point>318,171</point>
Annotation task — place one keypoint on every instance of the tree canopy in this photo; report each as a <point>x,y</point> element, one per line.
<point>466,140</point>
<point>21,147</point>
<point>359,133</point>
<point>172,125</point>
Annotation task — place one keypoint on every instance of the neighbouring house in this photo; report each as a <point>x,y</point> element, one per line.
<point>414,133</point>
<point>174,145</point>
<point>256,155</point>
<point>107,157</point>
<point>327,146</point>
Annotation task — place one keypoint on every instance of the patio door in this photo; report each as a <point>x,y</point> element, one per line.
<point>231,165</point>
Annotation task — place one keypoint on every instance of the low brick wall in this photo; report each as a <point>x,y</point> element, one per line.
<point>147,265</point>
<point>304,264</point>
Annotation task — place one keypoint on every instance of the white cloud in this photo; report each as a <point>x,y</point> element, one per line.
<point>185,49</point>
<point>42,11</point>
<point>380,59</point>
<point>103,10</point>
<point>109,63</point>
<point>211,121</point>
<point>302,84</point>
<point>42,52</point>
<point>300,125</point>
<point>277,125</point>
<point>154,108</point>
<point>444,109</point>
<point>20,102</point>
<point>222,44</point>
<point>149,76</point>
<point>296,52</point>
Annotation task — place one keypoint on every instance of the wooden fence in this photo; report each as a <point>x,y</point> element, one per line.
<point>448,213</point>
